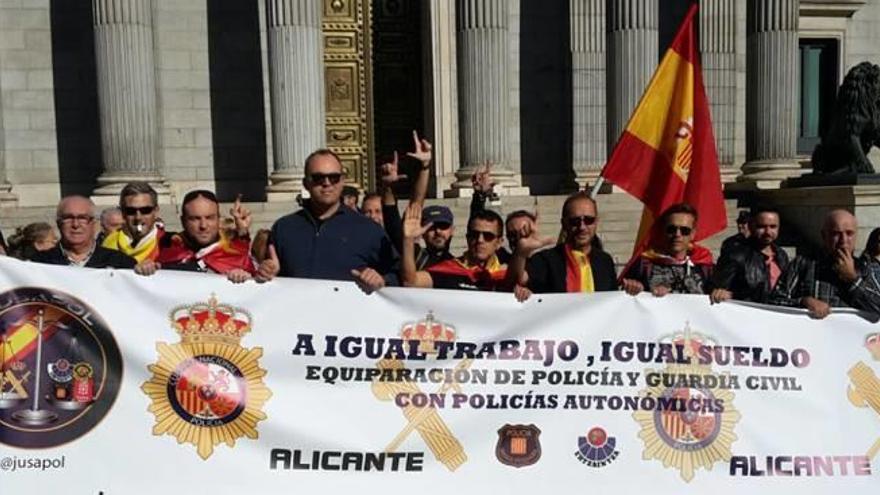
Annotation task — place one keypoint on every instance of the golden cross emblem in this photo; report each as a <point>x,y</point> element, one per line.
<point>865,392</point>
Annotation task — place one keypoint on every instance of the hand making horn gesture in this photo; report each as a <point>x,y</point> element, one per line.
<point>422,150</point>
<point>390,172</point>
<point>242,217</point>
<point>482,179</point>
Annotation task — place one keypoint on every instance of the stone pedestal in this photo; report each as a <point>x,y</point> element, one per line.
<point>804,208</point>
<point>126,96</point>
<point>296,91</point>
<point>483,80</point>
<point>587,25</point>
<point>771,93</point>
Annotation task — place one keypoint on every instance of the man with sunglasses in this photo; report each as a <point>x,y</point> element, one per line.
<point>477,269</point>
<point>674,264</point>
<point>577,265</point>
<point>748,271</point>
<point>328,241</point>
<point>75,217</point>
<point>140,234</point>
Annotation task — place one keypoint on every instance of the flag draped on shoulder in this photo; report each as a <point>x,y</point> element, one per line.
<point>666,154</point>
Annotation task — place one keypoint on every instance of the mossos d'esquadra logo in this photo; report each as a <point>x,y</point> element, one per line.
<point>683,434</point>
<point>207,389</point>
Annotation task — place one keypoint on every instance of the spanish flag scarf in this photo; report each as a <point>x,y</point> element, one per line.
<point>147,248</point>
<point>577,277</point>
<point>222,256</point>
<point>489,277</point>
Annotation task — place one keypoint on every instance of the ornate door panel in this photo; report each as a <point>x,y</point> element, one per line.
<point>347,77</point>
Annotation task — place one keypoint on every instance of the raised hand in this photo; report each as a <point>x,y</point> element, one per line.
<point>389,172</point>
<point>482,179</point>
<point>528,240</point>
<point>242,217</point>
<point>412,222</point>
<point>422,150</point>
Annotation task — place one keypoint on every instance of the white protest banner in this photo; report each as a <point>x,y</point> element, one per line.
<point>186,383</point>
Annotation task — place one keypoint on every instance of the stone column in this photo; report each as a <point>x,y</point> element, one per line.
<point>632,57</point>
<point>441,77</point>
<point>718,54</point>
<point>126,96</point>
<point>483,76</point>
<point>587,25</point>
<point>296,91</point>
<point>772,78</point>
<point>7,199</point>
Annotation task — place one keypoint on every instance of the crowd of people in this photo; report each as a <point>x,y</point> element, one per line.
<point>333,237</point>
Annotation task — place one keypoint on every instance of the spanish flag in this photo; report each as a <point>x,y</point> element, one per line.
<point>666,154</point>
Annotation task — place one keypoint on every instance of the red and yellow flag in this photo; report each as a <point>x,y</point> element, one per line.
<point>666,154</point>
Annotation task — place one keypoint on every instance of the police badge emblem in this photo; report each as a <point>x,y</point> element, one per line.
<point>518,445</point>
<point>691,427</point>
<point>207,389</point>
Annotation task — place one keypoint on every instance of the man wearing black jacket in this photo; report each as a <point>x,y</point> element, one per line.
<point>75,218</point>
<point>749,271</point>
<point>578,265</point>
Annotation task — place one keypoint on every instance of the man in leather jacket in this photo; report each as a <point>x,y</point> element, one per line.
<point>749,271</point>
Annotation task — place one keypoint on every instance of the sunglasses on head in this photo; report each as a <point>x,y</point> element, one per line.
<point>473,235</point>
<point>575,222</point>
<point>673,229</point>
<point>318,178</point>
<point>134,210</point>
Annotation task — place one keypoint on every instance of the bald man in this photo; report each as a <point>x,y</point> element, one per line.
<point>75,217</point>
<point>834,278</point>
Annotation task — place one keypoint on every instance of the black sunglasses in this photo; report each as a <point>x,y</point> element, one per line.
<point>440,226</point>
<point>575,222</point>
<point>673,229</point>
<point>473,235</point>
<point>134,210</point>
<point>318,178</point>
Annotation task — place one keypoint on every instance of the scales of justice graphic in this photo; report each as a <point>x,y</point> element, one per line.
<point>72,377</point>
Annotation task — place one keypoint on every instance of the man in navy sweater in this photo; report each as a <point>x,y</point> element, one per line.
<point>326,241</point>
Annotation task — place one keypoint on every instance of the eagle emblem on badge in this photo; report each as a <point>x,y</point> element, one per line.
<point>207,389</point>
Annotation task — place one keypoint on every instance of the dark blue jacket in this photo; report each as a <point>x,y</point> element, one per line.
<point>332,248</point>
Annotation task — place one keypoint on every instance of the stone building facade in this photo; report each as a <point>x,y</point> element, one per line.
<point>232,95</point>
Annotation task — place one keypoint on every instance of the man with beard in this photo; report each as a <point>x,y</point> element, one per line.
<point>439,221</point>
<point>674,264</point>
<point>477,269</point>
<point>203,246</point>
<point>75,218</point>
<point>577,265</point>
<point>749,271</point>
<point>140,234</point>
<point>832,279</point>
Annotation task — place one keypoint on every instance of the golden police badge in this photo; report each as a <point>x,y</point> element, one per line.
<point>864,389</point>
<point>692,425</point>
<point>207,389</point>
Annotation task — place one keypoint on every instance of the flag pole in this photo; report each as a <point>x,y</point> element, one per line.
<point>595,189</point>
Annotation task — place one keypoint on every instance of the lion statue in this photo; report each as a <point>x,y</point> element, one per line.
<point>855,125</point>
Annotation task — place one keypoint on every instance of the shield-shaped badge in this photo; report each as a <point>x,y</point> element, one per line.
<point>518,445</point>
